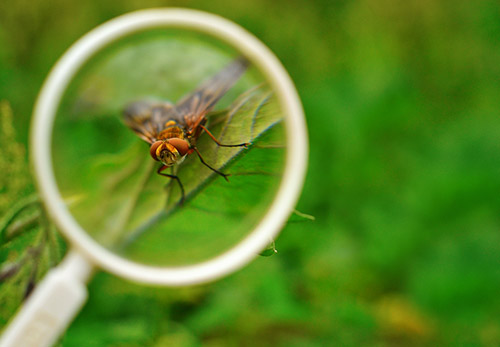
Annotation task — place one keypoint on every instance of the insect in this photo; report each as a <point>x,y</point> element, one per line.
<point>172,130</point>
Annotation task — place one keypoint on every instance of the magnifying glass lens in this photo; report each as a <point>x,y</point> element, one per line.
<point>140,154</point>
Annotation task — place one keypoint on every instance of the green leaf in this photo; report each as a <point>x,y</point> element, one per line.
<point>249,118</point>
<point>269,250</point>
<point>131,209</point>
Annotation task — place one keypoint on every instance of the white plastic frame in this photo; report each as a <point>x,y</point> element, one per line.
<point>250,47</point>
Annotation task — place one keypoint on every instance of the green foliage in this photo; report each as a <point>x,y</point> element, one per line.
<point>28,243</point>
<point>15,179</point>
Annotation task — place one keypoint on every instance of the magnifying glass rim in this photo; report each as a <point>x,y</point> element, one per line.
<point>260,56</point>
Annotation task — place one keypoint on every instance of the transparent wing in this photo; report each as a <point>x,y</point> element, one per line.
<point>147,118</point>
<point>195,105</point>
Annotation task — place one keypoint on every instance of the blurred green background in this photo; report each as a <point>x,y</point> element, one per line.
<point>402,103</point>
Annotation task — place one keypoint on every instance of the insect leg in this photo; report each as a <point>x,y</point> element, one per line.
<point>211,168</point>
<point>245,144</point>
<point>159,172</point>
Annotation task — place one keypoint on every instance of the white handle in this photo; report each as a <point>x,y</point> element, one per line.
<point>52,306</point>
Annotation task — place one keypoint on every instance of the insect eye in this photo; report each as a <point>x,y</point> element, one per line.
<point>181,145</point>
<point>153,148</point>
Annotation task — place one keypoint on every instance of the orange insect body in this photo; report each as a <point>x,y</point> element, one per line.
<point>175,141</point>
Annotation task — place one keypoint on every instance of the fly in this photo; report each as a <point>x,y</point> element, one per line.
<point>172,130</point>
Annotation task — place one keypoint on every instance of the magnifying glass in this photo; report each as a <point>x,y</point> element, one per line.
<point>170,147</point>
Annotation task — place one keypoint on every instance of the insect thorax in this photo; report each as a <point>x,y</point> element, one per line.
<point>172,130</point>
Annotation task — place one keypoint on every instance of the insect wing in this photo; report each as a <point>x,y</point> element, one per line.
<point>195,105</point>
<point>147,118</point>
